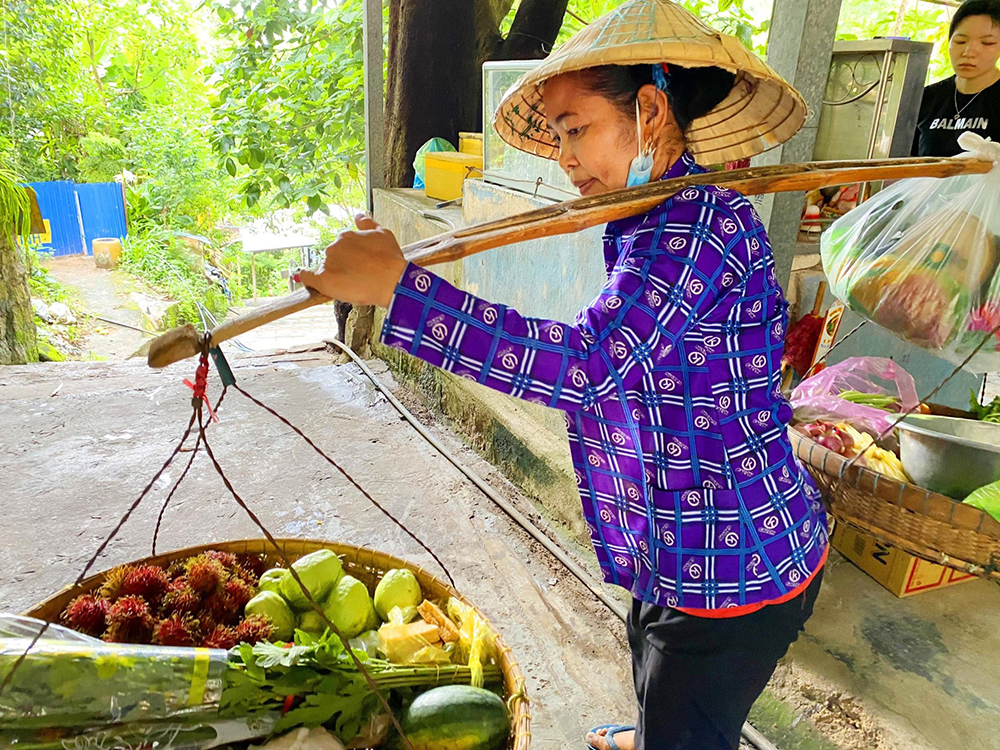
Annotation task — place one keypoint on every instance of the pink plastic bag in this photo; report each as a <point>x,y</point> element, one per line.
<point>818,397</point>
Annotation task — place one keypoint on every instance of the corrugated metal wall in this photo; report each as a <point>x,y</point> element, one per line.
<point>57,201</point>
<point>102,209</point>
<point>76,215</point>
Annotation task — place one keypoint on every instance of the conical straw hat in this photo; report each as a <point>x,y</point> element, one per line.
<point>761,112</point>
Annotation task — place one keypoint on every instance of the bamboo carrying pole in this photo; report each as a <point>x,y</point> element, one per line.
<point>576,215</point>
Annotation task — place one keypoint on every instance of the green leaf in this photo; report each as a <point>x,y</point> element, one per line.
<point>269,655</point>
<point>314,711</point>
<point>231,167</point>
<point>314,202</point>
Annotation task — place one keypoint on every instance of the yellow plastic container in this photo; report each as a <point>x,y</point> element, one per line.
<point>107,251</point>
<point>470,143</point>
<point>445,171</point>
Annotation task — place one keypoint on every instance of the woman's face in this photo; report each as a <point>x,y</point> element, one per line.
<point>975,47</point>
<point>597,141</point>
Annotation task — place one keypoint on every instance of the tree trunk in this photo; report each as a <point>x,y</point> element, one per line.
<point>17,319</point>
<point>432,79</point>
<point>534,30</point>
<point>436,52</point>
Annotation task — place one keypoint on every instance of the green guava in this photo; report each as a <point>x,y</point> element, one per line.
<point>398,588</point>
<point>274,608</point>
<point>312,623</point>
<point>349,607</point>
<point>319,572</point>
<point>271,580</point>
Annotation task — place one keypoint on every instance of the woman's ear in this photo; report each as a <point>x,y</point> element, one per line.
<point>654,107</point>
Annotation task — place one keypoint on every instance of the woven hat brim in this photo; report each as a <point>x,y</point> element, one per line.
<point>761,111</point>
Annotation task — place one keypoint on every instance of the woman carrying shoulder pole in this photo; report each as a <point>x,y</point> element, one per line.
<point>670,380</point>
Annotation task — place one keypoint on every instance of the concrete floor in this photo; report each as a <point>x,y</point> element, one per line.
<point>923,670</point>
<point>71,463</point>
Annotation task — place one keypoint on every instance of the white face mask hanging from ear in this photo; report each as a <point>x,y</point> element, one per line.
<point>641,167</point>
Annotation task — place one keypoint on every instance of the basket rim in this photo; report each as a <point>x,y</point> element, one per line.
<point>882,487</point>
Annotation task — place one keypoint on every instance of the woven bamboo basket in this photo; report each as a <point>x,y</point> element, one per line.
<point>367,565</point>
<point>931,526</point>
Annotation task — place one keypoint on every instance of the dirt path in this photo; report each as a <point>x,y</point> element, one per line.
<point>102,293</point>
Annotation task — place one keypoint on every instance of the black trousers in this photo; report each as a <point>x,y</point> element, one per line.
<point>696,678</point>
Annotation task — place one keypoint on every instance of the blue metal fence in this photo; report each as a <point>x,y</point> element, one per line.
<point>102,209</point>
<point>76,215</point>
<point>57,201</point>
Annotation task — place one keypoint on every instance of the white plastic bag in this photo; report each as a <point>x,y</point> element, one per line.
<point>921,260</point>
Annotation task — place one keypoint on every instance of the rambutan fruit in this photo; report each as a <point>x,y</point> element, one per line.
<point>207,622</point>
<point>129,621</point>
<point>180,598</point>
<point>244,575</point>
<point>176,569</point>
<point>254,565</point>
<point>239,592</point>
<point>254,629</point>
<point>87,614</point>
<point>205,574</point>
<point>176,630</point>
<point>226,559</point>
<point>221,608</point>
<point>111,589</point>
<point>148,581</point>
<point>222,637</point>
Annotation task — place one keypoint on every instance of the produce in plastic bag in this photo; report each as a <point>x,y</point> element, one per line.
<point>820,397</point>
<point>986,499</point>
<point>921,260</point>
<point>19,626</point>
<point>476,641</point>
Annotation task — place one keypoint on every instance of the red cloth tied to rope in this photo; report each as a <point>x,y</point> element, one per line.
<point>200,385</point>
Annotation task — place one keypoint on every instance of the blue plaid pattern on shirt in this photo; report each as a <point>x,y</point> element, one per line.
<point>670,383</point>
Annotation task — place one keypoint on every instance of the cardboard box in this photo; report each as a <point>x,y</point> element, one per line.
<point>900,572</point>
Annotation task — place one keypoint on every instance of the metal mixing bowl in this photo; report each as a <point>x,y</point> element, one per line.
<point>948,455</point>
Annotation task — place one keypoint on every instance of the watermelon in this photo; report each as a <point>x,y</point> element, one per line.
<point>457,717</point>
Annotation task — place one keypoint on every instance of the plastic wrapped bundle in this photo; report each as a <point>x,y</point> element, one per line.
<point>921,260</point>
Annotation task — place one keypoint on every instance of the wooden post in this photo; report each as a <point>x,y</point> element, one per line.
<point>374,100</point>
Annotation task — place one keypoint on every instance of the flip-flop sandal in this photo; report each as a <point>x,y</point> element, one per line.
<point>613,729</point>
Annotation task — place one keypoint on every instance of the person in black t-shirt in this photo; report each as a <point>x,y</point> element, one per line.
<point>969,100</point>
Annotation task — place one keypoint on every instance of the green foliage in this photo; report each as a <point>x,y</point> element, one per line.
<point>15,207</point>
<point>73,68</point>
<point>103,158</point>
<point>159,258</point>
<point>40,108</point>
<point>46,288</point>
<point>924,22</point>
<point>288,116</point>
<point>179,183</point>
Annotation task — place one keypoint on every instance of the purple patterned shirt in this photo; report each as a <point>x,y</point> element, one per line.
<point>670,383</point>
